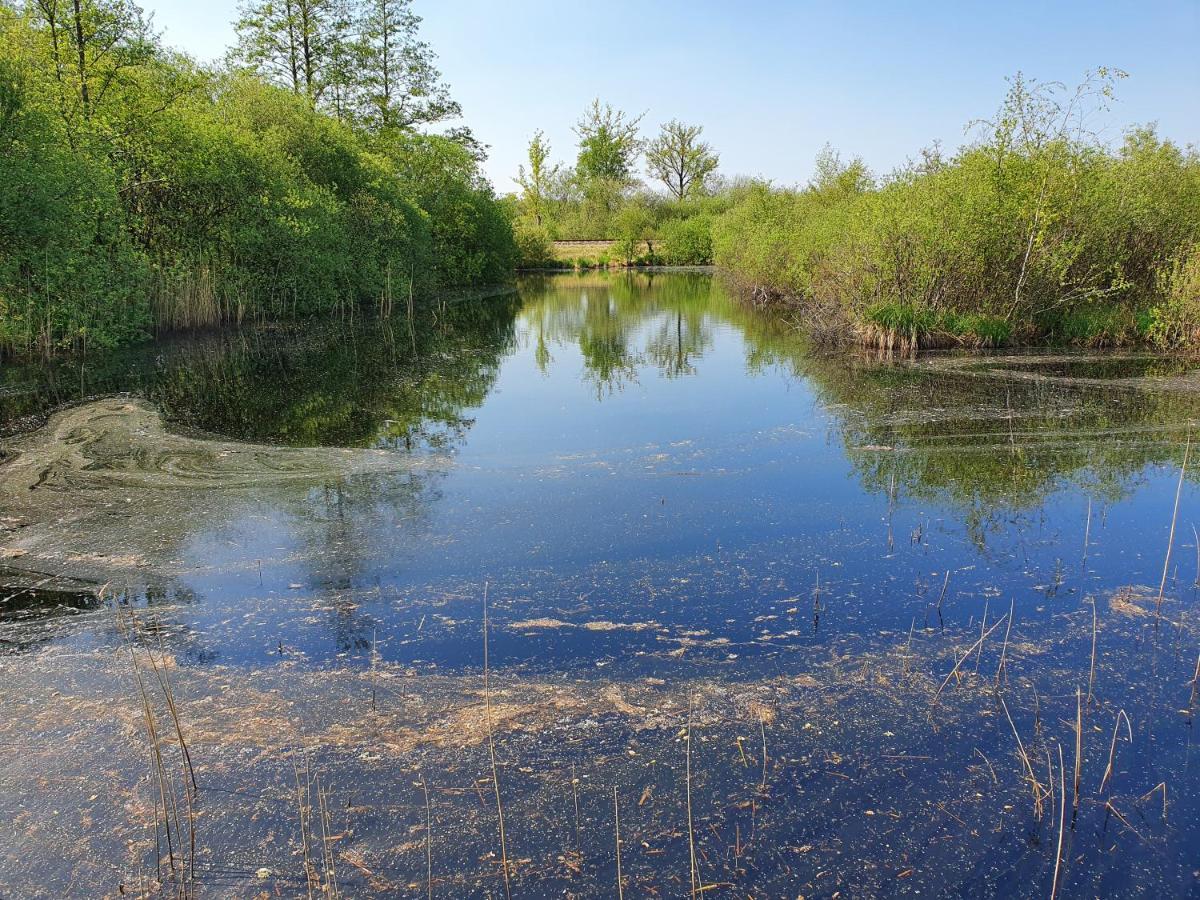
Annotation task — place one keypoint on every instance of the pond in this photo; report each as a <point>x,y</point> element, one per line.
<point>774,621</point>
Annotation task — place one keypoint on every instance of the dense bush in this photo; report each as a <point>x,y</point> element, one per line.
<point>533,245</point>
<point>1032,233</point>
<point>147,193</point>
<point>687,242</point>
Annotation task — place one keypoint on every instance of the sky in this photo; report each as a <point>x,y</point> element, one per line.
<point>770,81</point>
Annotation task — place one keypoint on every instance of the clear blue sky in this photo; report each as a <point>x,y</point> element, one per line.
<point>773,81</point>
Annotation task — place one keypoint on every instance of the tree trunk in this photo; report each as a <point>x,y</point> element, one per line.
<point>82,57</point>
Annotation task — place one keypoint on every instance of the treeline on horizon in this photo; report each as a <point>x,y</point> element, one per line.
<point>1034,231</point>
<point>141,191</point>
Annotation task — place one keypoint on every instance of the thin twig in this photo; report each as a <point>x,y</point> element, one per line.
<point>1162,585</point>
<point>617,829</point>
<point>487,701</point>
<point>1062,819</point>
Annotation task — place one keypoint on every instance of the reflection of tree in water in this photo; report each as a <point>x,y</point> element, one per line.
<point>622,321</point>
<point>940,433</point>
<point>342,526</point>
<point>985,443</point>
<point>320,383</point>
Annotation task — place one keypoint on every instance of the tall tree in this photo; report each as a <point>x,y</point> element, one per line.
<point>291,42</point>
<point>680,160</point>
<point>535,182</point>
<point>93,46</point>
<point>401,85</point>
<point>608,143</point>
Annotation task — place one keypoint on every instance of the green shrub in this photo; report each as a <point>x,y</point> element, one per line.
<point>187,198</point>
<point>533,245</point>
<point>687,241</point>
<point>1066,242</point>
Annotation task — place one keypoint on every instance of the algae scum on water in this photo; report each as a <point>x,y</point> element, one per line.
<point>767,621</point>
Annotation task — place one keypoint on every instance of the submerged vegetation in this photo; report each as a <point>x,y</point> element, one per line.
<point>140,191</point>
<point>1036,231</point>
<point>242,668</point>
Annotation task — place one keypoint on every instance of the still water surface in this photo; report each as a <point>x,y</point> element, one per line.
<point>667,495</point>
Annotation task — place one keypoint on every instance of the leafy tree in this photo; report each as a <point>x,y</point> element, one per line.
<point>139,193</point>
<point>608,144</point>
<point>94,46</point>
<point>292,42</point>
<point>535,183</point>
<point>635,225</point>
<point>401,85</point>
<point>688,241</point>
<point>832,177</point>
<point>680,160</point>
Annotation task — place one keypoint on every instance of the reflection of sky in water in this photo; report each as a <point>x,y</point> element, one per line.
<point>661,460</point>
<point>656,482</point>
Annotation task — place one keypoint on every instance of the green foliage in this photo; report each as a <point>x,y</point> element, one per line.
<point>359,60</point>
<point>533,245</point>
<point>1035,231</point>
<point>537,183</point>
<point>680,160</point>
<point>608,144</point>
<point>1175,319</point>
<point>634,226</point>
<point>687,241</point>
<point>139,192</point>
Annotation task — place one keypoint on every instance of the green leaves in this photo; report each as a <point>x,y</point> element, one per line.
<point>680,160</point>
<point>180,197</point>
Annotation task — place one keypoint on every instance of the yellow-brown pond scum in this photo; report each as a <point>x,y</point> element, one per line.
<point>884,595</point>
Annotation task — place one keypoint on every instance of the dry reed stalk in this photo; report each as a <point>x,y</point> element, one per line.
<point>1078,748</point>
<point>1196,542</point>
<point>982,635</point>
<point>169,695</point>
<point>374,656</point>
<point>1062,819</point>
<point>988,763</point>
<point>487,702</point>
<point>428,838</point>
<point>330,887</point>
<point>617,829</point>
<point>967,655</point>
<point>1112,750</point>
<point>1035,785</point>
<point>302,801</point>
<point>908,647</point>
<point>1195,679</point>
<point>166,790</point>
<point>1161,786</point>
<point>1000,669</point>
<point>189,793</point>
<point>688,789</point>
<point>1087,531</point>
<point>942,595</point>
<point>1162,585</point>
<point>1092,667</point>
<point>762,726</point>
<point>575,797</point>
<point>1050,781</point>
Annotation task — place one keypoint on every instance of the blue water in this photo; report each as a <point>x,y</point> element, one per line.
<point>684,487</point>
